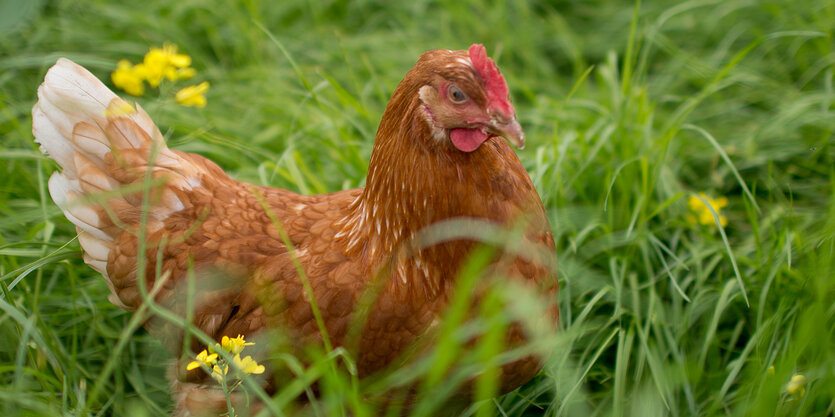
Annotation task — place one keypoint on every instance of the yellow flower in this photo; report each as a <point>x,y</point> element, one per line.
<point>203,358</point>
<point>703,212</point>
<point>165,62</point>
<point>797,385</point>
<point>218,372</point>
<point>247,365</point>
<point>128,78</point>
<point>152,70</point>
<point>177,60</point>
<point>183,74</point>
<point>193,95</point>
<point>234,345</point>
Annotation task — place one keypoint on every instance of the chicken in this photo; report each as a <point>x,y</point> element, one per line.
<point>438,155</point>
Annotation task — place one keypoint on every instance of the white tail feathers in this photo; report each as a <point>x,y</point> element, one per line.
<point>102,145</point>
<point>74,111</point>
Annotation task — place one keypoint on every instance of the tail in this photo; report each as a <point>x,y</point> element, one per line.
<point>105,148</point>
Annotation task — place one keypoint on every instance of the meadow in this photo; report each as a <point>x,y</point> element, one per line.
<point>631,110</point>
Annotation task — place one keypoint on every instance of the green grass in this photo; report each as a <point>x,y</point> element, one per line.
<point>629,110</point>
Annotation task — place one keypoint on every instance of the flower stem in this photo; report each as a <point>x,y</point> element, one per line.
<point>229,408</point>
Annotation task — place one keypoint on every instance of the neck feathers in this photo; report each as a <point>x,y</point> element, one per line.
<point>414,181</point>
<point>399,191</point>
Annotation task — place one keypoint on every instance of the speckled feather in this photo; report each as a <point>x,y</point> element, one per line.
<point>345,242</point>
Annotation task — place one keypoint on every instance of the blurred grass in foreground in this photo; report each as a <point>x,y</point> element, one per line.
<point>629,110</point>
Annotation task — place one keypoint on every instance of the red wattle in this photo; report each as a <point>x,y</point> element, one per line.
<point>467,140</point>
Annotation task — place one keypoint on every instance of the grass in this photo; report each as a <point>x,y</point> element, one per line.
<point>629,109</point>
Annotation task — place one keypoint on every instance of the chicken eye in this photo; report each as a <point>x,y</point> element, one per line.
<point>456,95</point>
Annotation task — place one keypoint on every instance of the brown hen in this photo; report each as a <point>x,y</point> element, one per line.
<point>438,155</point>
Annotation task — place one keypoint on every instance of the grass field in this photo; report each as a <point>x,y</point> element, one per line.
<point>630,110</point>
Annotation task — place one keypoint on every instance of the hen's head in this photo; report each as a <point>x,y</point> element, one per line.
<point>464,98</point>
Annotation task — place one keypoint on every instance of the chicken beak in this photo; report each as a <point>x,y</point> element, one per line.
<point>510,130</point>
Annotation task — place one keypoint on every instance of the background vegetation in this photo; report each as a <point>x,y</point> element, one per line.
<point>630,109</point>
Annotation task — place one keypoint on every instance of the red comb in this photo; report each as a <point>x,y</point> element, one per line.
<point>497,93</point>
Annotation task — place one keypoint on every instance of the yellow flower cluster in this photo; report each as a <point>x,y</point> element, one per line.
<point>219,366</point>
<point>158,64</point>
<point>701,212</point>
